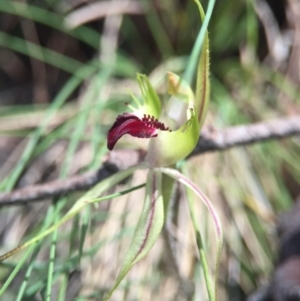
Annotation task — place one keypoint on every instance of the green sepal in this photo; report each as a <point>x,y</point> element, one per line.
<point>211,287</point>
<point>203,84</point>
<point>148,228</point>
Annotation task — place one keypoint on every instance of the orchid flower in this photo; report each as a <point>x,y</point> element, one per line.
<point>166,146</point>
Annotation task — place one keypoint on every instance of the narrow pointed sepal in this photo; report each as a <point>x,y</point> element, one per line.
<point>148,229</point>
<point>203,83</point>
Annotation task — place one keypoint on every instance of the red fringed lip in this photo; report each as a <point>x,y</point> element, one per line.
<point>127,123</point>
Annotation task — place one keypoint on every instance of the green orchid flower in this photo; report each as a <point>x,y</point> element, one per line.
<point>167,146</point>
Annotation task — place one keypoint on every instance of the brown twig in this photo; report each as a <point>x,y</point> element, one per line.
<point>55,188</point>
<point>216,140</point>
<point>210,140</point>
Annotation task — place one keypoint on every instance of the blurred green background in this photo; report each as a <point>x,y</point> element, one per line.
<point>65,70</point>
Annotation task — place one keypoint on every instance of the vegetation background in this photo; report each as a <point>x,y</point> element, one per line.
<point>65,66</point>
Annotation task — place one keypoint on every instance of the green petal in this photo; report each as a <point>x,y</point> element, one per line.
<point>151,102</point>
<point>180,88</point>
<point>182,99</point>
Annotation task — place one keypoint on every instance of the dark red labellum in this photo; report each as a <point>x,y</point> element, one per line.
<point>127,123</point>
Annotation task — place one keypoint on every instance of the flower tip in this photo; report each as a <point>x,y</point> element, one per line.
<point>110,145</point>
